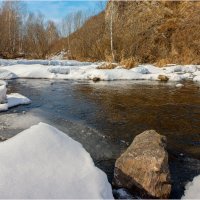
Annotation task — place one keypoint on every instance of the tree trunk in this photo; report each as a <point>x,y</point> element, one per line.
<point>111,33</point>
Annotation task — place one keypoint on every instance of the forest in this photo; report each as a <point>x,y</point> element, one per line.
<point>30,35</point>
<point>125,32</point>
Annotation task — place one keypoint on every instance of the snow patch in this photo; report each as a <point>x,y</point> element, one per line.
<point>179,85</point>
<point>197,78</point>
<point>43,162</point>
<point>192,189</point>
<point>6,74</point>
<point>5,62</point>
<point>59,70</point>
<point>122,193</point>
<point>140,70</point>
<point>3,91</point>
<point>14,99</point>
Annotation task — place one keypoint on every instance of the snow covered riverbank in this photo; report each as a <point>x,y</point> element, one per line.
<point>43,162</point>
<point>10,100</point>
<point>54,69</point>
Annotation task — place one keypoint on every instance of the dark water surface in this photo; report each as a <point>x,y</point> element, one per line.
<point>118,111</point>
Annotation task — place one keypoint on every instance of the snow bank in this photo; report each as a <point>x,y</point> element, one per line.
<point>6,74</point>
<point>192,189</point>
<point>11,100</point>
<point>59,70</point>
<point>3,91</point>
<point>4,62</point>
<point>87,71</point>
<point>14,99</point>
<point>43,162</point>
<point>196,79</point>
<point>181,68</point>
<point>3,82</point>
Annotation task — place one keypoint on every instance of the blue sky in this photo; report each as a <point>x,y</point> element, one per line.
<point>56,10</point>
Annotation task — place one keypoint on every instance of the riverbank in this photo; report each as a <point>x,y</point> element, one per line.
<point>74,70</point>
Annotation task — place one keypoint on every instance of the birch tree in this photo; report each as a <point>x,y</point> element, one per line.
<point>67,29</point>
<point>111,32</point>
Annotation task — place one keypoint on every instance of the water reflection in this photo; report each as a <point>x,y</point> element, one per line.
<point>124,113</point>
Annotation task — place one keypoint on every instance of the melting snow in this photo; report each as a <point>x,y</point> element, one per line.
<point>192,189</point>
<point>43,162</point>
<point>10,100</point>
<point>14,99</point>
<point>57,69</point>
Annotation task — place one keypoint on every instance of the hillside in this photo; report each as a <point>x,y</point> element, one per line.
<point>143,32</point>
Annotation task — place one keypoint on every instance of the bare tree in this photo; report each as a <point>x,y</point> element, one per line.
<point>11,27</point>
<point>67,28</point>
<point>111,32</point>
<point>52,32</point>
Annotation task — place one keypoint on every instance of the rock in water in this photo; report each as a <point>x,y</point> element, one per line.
<point>144,166</point>
<point>163,78</point>
<point>96,79</point>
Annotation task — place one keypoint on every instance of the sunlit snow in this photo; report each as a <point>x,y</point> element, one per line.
<point>57,69</point>
<point>43,162</point>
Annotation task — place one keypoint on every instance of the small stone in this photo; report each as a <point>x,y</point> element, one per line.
<point>163,78</point>
<point>96,79</point>
<point>2,139</point>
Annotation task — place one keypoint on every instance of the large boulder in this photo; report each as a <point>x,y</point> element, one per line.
<point>144,166</point>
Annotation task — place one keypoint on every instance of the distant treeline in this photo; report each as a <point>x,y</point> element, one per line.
<point>28,35</point>
<point>129,32</point>
<point>133,32</point>
<point>24,34</point>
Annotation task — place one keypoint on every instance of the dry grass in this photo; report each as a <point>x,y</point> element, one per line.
<point>129,63</point>
<point>108,66</point>
<point>161,32</point>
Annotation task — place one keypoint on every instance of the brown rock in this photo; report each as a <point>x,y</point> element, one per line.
<point>96,79</point>
<point>163,78</point>
<point>144,166</point>
<point>108,66</point>
<point>2,139</point>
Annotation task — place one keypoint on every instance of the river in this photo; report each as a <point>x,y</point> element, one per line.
<point>106,116</point>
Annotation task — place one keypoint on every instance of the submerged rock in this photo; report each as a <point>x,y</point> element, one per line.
<point>96,79</point>
<point>163,78</point>
<point>144,166</point>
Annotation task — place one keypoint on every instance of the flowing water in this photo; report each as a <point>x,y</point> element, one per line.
<point>106,116</point>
